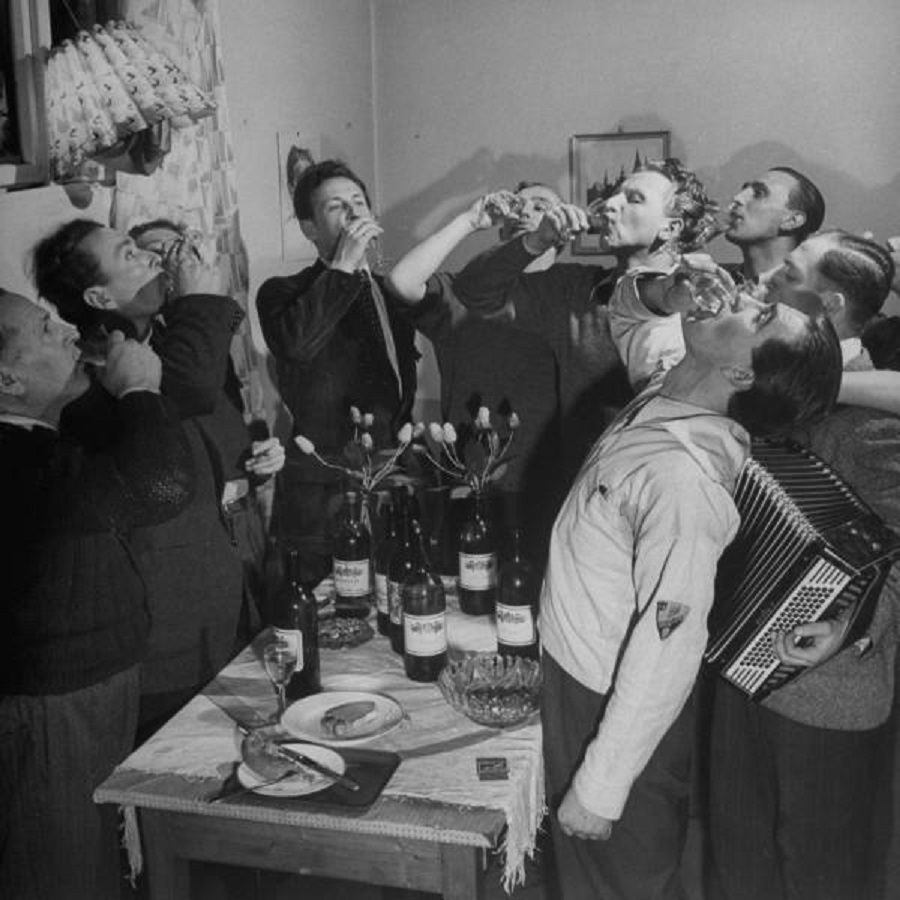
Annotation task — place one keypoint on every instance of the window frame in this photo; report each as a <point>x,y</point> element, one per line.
<point>30,40</point>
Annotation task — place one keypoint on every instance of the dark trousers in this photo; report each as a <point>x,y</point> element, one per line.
<point>793,808</point>
<point>641,860</point>
<point>305,518</point>
<point>55,842</point>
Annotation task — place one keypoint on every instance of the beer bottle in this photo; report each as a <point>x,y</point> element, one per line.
<point>477,563</point>
<point>402,562</point>
<point>352,561</point>
<point>297,622</point>
<point>382,558</point>
<point>424,617</point>
<point>517,604</point>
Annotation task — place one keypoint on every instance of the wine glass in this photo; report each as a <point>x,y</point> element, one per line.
<point>280,661</point>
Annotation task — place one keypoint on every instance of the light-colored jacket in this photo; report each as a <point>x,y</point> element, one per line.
<point>630,577</point>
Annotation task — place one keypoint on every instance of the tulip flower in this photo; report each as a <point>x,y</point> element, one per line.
<point>305,444</point>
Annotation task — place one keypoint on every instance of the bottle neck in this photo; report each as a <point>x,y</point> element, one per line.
<point>292,567</point>
<point>517,545</point>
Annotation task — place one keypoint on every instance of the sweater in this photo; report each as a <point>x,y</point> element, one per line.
<point>74,606</point>
<point>567,306</point>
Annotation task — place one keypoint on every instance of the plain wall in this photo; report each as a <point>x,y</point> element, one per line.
<point>437,101</point>
<point>476,95</point>
<point>292,65</point>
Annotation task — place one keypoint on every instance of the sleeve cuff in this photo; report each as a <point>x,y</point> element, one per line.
<point>602,798</point>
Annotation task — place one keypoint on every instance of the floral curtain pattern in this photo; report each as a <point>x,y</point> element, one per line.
<point>195,184</point>
<point>108,84</point>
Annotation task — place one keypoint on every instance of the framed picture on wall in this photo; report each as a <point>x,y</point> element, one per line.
<point>597,162</point>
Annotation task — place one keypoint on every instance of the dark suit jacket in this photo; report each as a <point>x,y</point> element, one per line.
<point>321,327</point>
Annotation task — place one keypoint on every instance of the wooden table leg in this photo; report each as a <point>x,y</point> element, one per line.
<point>462,872</point>
<point>168,873</point>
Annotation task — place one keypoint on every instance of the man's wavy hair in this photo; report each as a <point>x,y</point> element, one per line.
<point>692,204</point>
<point>795,383</point>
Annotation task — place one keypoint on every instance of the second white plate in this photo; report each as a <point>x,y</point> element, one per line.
<point>303,719</point>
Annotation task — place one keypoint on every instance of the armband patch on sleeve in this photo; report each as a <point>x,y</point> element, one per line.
<point>669,615</point>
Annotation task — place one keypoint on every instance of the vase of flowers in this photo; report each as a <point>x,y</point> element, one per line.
<point>473,460</point>
<point>364,469</point>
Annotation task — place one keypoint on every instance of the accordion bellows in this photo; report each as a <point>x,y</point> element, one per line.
<point>808,548</point>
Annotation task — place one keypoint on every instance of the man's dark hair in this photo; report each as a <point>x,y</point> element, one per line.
<point>63,270</point>
<point>862,270</point>
<point>137,231</point>
<point>881,338</point>
<point>806,198</point>
<point>316,175</point>
<point>692,204</point>
<point>795,383</point>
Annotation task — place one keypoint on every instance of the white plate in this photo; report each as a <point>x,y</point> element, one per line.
<point>303,719</point>
<point>297,785</point>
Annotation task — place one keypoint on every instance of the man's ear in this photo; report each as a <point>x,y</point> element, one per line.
<point>10,383</point>
<point>671,231</point>
<point>308,227</point>
<point>793,220</point>
<point>738,377</point>
<point>97,297</point>
<point>834,304</point>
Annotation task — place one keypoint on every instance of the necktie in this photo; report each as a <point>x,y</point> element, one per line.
<point>384,324</point>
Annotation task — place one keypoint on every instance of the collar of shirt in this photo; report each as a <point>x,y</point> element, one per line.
<point>850,349</point>
<point>27,422</point>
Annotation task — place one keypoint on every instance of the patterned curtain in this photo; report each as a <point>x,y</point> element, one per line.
<point>195,184</point>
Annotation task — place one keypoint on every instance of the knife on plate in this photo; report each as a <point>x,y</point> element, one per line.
<point>301,759</point>
<point>292,756</point>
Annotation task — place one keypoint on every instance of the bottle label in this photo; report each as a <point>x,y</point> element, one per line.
<point>293,639</point>
<point>395,607</point>
<point>352,577</point>
<point>477,572</point>
<point>381,592</point>
<point>515,625</point>
<point>425,635</point>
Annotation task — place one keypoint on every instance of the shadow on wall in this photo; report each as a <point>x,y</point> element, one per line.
<point>849,203</point>
<point>410,221</point>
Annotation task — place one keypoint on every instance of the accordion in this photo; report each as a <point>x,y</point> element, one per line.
<point>808,548</point>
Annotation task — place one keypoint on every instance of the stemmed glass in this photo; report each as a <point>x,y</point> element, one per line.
<point>280,661</point>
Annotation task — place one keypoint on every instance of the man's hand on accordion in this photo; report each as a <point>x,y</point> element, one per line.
<point>811,643</point>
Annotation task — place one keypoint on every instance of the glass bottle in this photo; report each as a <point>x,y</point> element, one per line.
<point>424,617</point>
<point>477,563</point>
<point>517,604</point>
<point>296,621</point>
<point>352,562</point>
<point>402,562</point>
<point>385,549</point>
